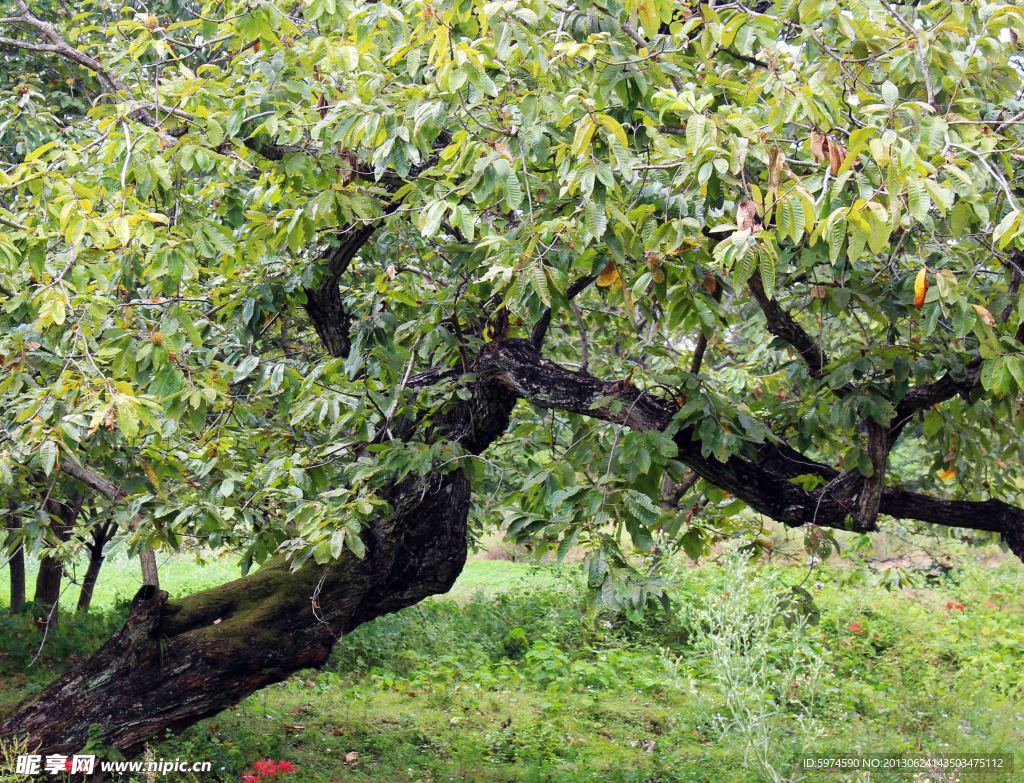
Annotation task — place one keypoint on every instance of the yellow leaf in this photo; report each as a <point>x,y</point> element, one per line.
<point>948,474</point>
<point>609,276</point>
<point>584,133</point>
<point>439,52</point>
<point>650,20</point>
<point>984,315</point>
<point>628,297</point>
<point>920,288</point>
<point>613,128</point>
<point>121,229</point>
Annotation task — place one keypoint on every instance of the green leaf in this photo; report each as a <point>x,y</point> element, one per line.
<point>917,200</point>
<point>48,456</point>
<point>1006,231</point>
<point>696,127</point>
<point>596,219</point>
<point>539,281</point>
<point>836,234</point>
<point>767,265</point>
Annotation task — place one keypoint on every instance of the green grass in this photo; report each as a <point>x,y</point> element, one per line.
<point>121,579</point>
<point>512,678</point>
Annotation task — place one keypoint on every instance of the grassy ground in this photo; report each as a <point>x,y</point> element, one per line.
<point>513,678</point>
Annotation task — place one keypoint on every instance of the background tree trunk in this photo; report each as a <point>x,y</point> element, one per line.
<point>51,571</point>
<point>16,564</point>
<point>100,536</point>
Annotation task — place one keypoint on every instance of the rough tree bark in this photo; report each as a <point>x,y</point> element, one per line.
<point>16,564</point>
<point>174,663</point>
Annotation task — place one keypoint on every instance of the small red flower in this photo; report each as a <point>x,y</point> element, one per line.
<point>265,768</point>
<point>67,765</point>
<point>250,779</point>
<point>285,766</point>
<point>950,604</point>
<point>960,607</point>
<point>855,628</point>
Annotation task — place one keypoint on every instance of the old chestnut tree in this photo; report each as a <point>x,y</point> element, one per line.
<point>338,284</point>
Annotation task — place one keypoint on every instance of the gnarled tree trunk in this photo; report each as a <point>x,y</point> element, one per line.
<point>177,662</point>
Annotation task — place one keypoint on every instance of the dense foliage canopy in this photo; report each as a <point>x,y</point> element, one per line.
<point>794,223</point>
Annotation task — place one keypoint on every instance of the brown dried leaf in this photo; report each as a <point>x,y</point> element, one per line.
<point>776,161</point>
<point>836,155</point>
<point>819,146</point>
<point>746,215</point>
<point>984,314</point>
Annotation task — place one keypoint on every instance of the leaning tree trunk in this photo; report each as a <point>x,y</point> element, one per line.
<point>176,662</point>
<point>51,570</point>
<point>16,564</point>
<point>100,536</point>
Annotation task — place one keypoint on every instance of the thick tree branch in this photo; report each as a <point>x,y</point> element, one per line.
<point>784,326</point>
<point>763,483</point>
<point>112,492</point>
<point>928,395</point>
<point>698,353</point>
<point>746,58</point>
<point>323,303</point>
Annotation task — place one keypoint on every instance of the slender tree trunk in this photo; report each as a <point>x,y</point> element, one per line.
<point>16,564</point>
<point>51,571</point>
<point>100,536</point>
<point>47,595</point>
